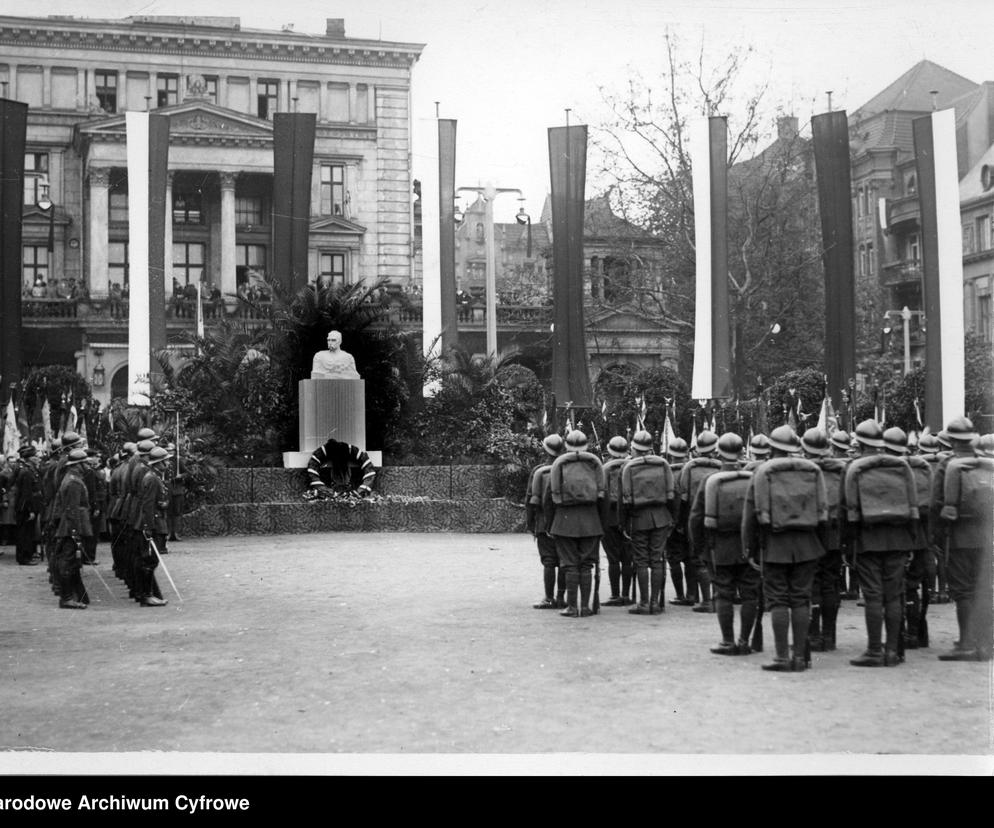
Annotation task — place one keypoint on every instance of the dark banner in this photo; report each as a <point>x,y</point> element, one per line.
<point>830,132</point>
<point>568,166</point>
<point>721,345</point>
<point>447,230</point>
<point>293,157</point>
<point>13,129</point>
<point>158,165</point>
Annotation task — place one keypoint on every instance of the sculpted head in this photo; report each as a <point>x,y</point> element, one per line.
<point>334,340</point>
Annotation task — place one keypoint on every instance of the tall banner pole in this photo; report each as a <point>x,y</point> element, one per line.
<point>721,346</point>
<point>432,230</point>
<point>942,266</point>
<point>568,164</point>
<point>447,231</point>
<point>13,133</point>
<point>830,135</point>
<point>293,160</point>
<point>702,379</point>
<point>139,386</point>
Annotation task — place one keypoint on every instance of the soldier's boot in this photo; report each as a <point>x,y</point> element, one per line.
<point>780,619</point>
<point>726,623</point>
<point>815,640</point>
<point>873,656</point>
<point>642,578</point>
<point>657,578</point>
<point>747,620</point>
<point>561,588</point>
<point>572,586</point>
<point>912,616</point>
<point>707,599</point>
<point>614,581</point>
<point>893,618</point>
<point>943,596</point>
<point>586,584</point>
<point>829,615</point>
<point>628,583</point>
<point>800,623</point>
<point>693,586</point>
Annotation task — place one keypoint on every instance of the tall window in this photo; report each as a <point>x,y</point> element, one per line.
<point>331,269</point>
<point>211,84</point>
<point>984,316</point>
<point>34,262</point>
<point>862,260</point>
<point>968,239</point>
<point>35,175</point>
<point>106,86</point>
<point>118,206</point>
<point>187,207</point>
<point>188,262</point>
<point>332,190</point>
<point>914,248</point>
<point>117,263</point>
<point>268,95</point>
<point>249,258</point>
<point>167,90</point>
<point>248,211</point>
<point>983,224</point>
<point>859,203</point>
<point>871,259</point>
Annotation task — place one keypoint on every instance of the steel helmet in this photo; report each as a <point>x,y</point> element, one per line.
<point>576,440</point>
<point>617,447</point>
<point>553,445</point>
<point>707,441</point>
<point>814,442</point>
<point>868,433</point>
<point>760,445</point>
<point>677,447</point>
<point>960,428</point>
<point>642,441</point>
<point>783,438</point>
<point>896,440</point>
<point>928,444</point>
<point>730,446</point>
<point>841,440</point>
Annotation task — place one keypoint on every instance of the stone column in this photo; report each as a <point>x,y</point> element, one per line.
<point>99,181</point>
<point>167,269</point>
<point>222,90</point>
<point>353,103</point>
<point>228,281</point>
<point>91,89</point>
<point>324,105</point>
<point>46,87</point>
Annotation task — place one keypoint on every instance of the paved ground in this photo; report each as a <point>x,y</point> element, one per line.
<point>368,645</point>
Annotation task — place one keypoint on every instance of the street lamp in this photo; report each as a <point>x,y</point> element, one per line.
<point>905,315</point>
<point>523,218</point>
<point>489,193</point>
<point>99,373</point>
<point>46,206</point>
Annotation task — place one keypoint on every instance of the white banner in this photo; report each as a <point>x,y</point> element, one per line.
<point>431,262</point>
<point>700,155</point>
<point>139,390</point>
<point>950,250</point>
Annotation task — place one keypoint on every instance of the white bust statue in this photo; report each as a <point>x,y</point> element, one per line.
<point>334,363</point>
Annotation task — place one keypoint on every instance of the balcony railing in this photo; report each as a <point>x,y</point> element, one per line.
<point>897,273</point>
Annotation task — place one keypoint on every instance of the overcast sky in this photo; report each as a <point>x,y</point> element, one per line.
<point>508,70</point>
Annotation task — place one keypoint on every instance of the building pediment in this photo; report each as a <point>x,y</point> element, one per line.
<point>337,225</point>
<point>625,320</point>
<point>189,121</point>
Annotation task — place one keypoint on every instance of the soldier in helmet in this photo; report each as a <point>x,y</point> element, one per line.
<point>961,515</point>
<point>840,444</point>
<point>27,505</point>
<point>136,469</point>
<point>682,569</point>
<point>72,508</point>
<point>759,448</point>
<point>716,524</point>
<point>783,525</point>
<point>535,522</point>
<point>616,546</point>
<point>880,505</point>
<point>647,506</point>
<point>150,527</point>
<point>575,494</point>
<point>115,505</point>
<point>938,588</point>
<point>825,592</point>
<point>692,476</point>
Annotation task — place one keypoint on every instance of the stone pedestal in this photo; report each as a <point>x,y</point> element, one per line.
<point>329,408</point>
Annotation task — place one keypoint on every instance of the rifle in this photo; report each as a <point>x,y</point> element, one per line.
<point>757,631</point>
<point>162,563</point>
<point>80,555</point>
<point>597,582</point>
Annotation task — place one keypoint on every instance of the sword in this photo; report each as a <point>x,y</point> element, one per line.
<point>100,577</point>
<point>162,563</point>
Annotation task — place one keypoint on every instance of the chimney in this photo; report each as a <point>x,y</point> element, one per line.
<point>335,27</point>
<point>787,127</point>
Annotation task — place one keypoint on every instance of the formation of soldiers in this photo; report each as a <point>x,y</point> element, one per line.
<point>67,501</point>
<point>776,534</point>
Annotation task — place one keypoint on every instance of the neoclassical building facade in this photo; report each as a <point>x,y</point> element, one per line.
<point>219,85</point>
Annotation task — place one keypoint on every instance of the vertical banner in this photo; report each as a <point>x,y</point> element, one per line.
<point>431,232</point>
<point>830,134</point>
<point>293,158</point>
<point>712,340</point>
<point>13,131</point>
<point>942,266</point>
<point>447,230</point>
<point>148,159</point>
<point>568,167</point>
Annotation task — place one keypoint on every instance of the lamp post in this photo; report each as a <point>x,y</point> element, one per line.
<point>490,193</point>
<point>905,315</point>
<point>46,206</point>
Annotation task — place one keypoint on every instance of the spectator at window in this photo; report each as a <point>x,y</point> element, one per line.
<point>190,300</point>
<point>177,297</point>
<point>116,300</point>
<point>38,291</point>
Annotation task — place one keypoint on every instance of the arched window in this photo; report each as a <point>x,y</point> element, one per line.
<point>119,383</point>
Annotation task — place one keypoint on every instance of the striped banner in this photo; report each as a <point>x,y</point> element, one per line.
<point>568,169</point>
<point>293,158</point>
<point>942,266</point>
<point>13,131</point>
<point>148,159</point>
<point>712,340</point>
<point>431,234</point>
<point>830,134</point>
<point>447,231</point>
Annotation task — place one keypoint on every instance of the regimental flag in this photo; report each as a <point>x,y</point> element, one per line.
<point>72,418</point>
<point>568,168</point>
<point>942,265</point>
<point>669,435</point>
<point>11,435</point>
<point>22,423</point>
<point>918,414</point>
<point>830,139</point>
<point>63,419</point>
<point>912,439</point>
<point>110,419</point>
<point>200,311</point>
<point>791,418</point>
<point>82,422</point>
<point>693,437</point>
<point>293,159</point>
<point>827,421</point>
<point>749,454</point>
<point>712,340</point>
<point>46,424</point>
<point>880,413</point>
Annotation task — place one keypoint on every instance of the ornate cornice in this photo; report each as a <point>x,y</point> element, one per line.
<point>99,176</point>
<point>211,43</point>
